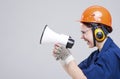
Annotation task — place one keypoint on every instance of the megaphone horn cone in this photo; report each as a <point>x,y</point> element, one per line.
<point>49,36</point>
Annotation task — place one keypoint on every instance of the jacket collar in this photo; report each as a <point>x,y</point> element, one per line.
<point>105,46</point>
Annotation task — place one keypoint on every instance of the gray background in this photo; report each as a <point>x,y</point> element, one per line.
<point>21,24</point>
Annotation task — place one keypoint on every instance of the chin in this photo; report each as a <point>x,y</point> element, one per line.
<point>90,46</point>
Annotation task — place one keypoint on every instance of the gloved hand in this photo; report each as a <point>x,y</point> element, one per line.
<point>61,53</point>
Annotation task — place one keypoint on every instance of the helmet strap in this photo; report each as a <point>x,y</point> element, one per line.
<point>104,30</point>
<point>94,41</point>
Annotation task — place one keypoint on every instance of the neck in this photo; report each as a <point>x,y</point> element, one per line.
<point>100,44</point>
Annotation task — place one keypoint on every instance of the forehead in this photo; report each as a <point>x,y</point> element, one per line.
<point>83,26</point>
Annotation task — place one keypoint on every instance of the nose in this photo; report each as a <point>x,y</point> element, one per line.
<point>82,36</point>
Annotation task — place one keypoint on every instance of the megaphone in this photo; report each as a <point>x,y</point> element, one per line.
<point>49,36</point>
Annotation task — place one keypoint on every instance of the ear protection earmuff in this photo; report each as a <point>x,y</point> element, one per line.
<point>99,34</point>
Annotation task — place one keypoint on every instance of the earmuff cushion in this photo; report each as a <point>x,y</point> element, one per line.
<point>99,34</point>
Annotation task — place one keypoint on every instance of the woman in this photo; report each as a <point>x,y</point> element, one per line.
<point>103,63</point>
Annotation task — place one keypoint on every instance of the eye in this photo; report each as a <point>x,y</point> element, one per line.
<point>83,32</point>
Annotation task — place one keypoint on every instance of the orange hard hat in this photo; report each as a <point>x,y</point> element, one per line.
<point>97,14</point>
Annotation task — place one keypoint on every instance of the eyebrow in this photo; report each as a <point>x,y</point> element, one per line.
<point>85,31</point>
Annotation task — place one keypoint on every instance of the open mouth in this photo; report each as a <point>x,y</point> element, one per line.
<point>87,41</point>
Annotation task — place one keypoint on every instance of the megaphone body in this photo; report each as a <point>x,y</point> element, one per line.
<point>49,36</point>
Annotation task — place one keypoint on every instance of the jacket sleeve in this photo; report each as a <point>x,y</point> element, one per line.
<point>101,69</point>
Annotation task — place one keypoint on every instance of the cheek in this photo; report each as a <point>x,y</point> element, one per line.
<point>90,38</point>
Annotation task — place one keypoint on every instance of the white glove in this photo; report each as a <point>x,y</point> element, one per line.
<point>61,53</point>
